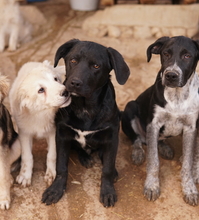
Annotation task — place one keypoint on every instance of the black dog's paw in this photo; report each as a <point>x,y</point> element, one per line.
<point>54,192</point>
<point>52,195</point>
<point>85,159</point>
<point>108,197</point>
<point>165,151</point>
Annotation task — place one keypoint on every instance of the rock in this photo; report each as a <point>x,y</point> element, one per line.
<point>114,31</point>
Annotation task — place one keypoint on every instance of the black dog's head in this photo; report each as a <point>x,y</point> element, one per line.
<point>88,65</point>
<point>179,57</point>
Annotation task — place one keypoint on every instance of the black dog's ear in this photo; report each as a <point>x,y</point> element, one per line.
<point>63,50</point>
<point>155,48</point>
<point>121,69</point>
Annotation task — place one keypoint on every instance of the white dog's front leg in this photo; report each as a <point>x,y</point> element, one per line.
<point>51,159</point>
<point>188,186</point>
<point>25,174</point>
<point>5,180</point>
<point>152,186</point>
<point>2,40</point>
<point>13,40</point>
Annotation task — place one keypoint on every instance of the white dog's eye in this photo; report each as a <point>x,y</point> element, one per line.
<point>55,79</point>
<point>41,90</point>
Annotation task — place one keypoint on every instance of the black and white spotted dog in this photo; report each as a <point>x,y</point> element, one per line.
<point>169,107</point>
<point>9,146</point>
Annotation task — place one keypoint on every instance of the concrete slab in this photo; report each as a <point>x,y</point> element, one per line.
<point>176,19</point>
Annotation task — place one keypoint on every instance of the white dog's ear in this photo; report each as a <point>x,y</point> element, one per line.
<point>46,63</point>
<point>4,87</point>
<point>21,100</point>
<point>60,72</point>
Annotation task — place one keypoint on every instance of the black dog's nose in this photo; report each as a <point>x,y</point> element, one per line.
<point>171,76</point>
<point>75,82</point>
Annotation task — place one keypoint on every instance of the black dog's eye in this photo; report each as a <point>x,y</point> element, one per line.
<point>96,66</point>
<point>187,56</point>
<point>55,79</point>
<point>73,60</point>
<point>41,90</point>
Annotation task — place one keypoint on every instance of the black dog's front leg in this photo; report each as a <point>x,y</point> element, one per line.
<point>108,195</point>
<point>54,193</point>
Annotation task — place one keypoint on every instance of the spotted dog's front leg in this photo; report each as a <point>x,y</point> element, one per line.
<point>188,186</point>
<point>196,161</point>
<point>25,175</point>
<point>152,186</point>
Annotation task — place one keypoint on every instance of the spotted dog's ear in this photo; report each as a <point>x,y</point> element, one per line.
<point>155,48</point>
<point>63,50</point>
<point>4,87</point>
<point>121,69</point>
<point>197,45</point>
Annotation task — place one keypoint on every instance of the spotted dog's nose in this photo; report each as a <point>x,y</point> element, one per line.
<point>171,76</point>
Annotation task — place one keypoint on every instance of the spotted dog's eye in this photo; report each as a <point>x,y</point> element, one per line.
<point>55,79</point>
<point>41,90</point>
<point>73,60</point>
<point>187,56</point>
<point>166,54</point>
<point>96,66</point>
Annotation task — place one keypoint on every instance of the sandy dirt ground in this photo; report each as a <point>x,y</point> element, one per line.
<point>81,200</point>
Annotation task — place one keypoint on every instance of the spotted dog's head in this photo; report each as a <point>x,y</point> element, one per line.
<point>179,57</point>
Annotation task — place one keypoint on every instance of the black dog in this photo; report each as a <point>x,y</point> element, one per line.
<point>91,122</point>
<point>168,108</point>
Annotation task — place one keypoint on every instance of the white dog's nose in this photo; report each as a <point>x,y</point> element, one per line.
<point>65,93</point>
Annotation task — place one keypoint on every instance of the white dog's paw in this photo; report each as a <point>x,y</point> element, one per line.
<point>23,180</point>
<point>49,176</point>
<point>5,203</point>
<point>12,47</point>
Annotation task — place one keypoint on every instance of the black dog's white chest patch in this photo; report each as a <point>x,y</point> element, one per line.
<point>80,137</point>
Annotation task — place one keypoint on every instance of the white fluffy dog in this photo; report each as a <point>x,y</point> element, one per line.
<point>35,96</point>
<point>14,29</point>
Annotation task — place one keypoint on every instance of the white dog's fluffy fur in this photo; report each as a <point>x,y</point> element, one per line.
<point>14,29</point>
<point>35,96</point>
<point>8,154</point>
